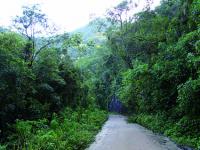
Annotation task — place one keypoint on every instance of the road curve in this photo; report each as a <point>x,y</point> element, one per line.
<point>117,134</point>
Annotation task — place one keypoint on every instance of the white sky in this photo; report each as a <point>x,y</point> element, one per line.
<point>67,14</point>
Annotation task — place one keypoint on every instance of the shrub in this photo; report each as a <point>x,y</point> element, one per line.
<point>69,130</point>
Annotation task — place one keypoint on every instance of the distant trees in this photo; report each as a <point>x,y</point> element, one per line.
<point>120,13</point>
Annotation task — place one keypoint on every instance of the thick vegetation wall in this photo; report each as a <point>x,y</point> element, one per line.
<point>160,77</point>
<point>37,77</point>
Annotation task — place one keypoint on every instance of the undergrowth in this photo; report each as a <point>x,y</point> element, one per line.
<point>69,130</point>
<point>184,131</point>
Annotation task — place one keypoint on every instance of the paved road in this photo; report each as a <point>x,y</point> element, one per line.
<point>117,134</point>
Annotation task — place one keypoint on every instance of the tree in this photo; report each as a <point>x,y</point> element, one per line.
<point>16,80</point>
<point>119,14</point>
<point>122,17</point>
<point>33,24</point>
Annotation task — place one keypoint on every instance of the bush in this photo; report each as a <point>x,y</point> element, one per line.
<point>69,130</point>
<point>188,98</point>
<point>3,147</point>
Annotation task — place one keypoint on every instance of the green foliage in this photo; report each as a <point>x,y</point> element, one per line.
<point>3,147</point>
<point>180,132</point>
<point>33,24</point>
<point>34,92</point>
<point>159,81</point>
<point>126,89</point>
<point>36,87</point>
<point>188,98</point>
<point>70,130</point>
<point>99,70</point>
<point>16,78</point>
<point>198,144</point>
<point>151,64</point>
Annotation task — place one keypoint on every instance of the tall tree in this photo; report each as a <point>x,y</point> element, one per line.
<point>33,24</point>
<point>119,14</point>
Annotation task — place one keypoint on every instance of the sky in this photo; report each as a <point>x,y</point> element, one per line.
<point>69,15</point>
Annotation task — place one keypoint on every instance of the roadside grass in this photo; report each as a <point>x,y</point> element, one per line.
<point>69,130</point>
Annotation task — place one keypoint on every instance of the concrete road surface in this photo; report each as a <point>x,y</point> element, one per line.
<point>117,134</point>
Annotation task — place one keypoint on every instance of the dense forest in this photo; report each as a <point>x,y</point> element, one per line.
<point>55,88</point>
<point>44,100</point>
